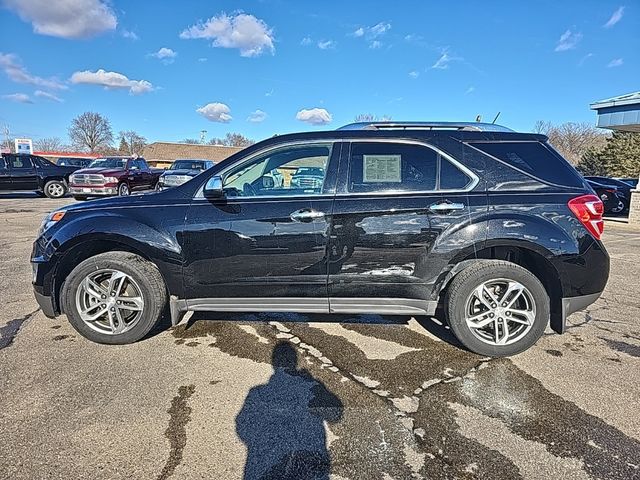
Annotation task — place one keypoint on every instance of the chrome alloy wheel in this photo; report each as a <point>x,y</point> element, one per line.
<point>109,301</point>
<point>55,190</point>
<point>500,311</point>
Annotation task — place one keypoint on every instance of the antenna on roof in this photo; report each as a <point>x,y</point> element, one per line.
<point>478,118</point>
<point>495,119</point>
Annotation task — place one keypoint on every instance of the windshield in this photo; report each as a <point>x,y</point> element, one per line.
<point>187,165</point>
<point>109,163</point>
<point>310,171</point>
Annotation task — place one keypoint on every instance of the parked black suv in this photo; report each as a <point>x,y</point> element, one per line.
<point>493,225</point>
<point>33,173</point>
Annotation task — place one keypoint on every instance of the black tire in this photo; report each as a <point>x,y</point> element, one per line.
<point>123,190</point>
<point>144,273</point>
<point>80,198</point>
<point>462,287</point>
<point>55,188</point>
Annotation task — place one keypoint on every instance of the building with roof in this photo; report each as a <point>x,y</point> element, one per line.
<point>619,113</point>
<point>163,154</point>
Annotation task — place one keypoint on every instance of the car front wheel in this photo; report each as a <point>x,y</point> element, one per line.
<point>55,189</point>
<point>497,308</point>
<point>123,190</point>
<point>114,298</point>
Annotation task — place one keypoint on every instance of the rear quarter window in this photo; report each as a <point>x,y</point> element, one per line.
<point>533,158</point>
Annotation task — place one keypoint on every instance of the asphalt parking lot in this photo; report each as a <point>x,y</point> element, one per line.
<point>294,396</point>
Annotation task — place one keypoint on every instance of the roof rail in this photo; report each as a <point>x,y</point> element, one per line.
<point>467,126</point>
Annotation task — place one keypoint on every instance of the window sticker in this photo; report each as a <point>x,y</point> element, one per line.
<point>381,168</point>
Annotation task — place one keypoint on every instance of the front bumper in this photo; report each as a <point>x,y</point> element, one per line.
<point>92,191</point>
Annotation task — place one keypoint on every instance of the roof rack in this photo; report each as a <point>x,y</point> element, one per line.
<point>467,126</point>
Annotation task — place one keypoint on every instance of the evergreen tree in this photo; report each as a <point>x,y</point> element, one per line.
<point>619,158</point>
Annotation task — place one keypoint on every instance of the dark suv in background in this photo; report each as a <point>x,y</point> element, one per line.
<point>21,172</point>
<point>493,225</point>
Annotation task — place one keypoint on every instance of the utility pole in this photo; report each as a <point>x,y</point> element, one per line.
<point>5,131</point>
<point>203,134</point>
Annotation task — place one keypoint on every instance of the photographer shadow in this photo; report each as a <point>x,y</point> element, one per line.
<point>282,422</point>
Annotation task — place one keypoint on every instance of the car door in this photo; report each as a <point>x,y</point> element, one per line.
<point>146,177</point>
<point>263,242</point>
<point>23,173</point>
<point>5,175</point>
<point>394,201</point>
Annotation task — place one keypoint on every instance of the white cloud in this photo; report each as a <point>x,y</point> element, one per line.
<point>216,112</point>
<point>130,35</point>
<point>443,62</point>
<point>250,35</point>
<point>269,93</point>
<point>379,28</point>
<point>202,59</point>
<point>18,97</point>
<point>111,81</point>
<point>372,33</point>
<point>11,65</point>
<point>615,18</point>
<point>306,41</point>
<point>470,90</point>
<point>166,55</point>
<point>257,117</point>
<point>48,96</point>
<point>585,58</point>
<point>65,18</point>
<point>616,62</point>
<point>326,45</point>
<point>314,116</point>
<point>568,41</point>
<point>414,74</point>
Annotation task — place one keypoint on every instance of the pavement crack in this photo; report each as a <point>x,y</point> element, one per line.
<point>9,332</point>
<point>176,432</point>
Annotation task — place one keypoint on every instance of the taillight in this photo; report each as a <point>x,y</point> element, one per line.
<point>589,210</point>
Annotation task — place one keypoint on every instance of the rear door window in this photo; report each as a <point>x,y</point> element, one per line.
<point>533,158</point>
<point>388,166</point>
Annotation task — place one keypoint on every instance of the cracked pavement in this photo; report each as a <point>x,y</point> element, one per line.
<point>274,396</point>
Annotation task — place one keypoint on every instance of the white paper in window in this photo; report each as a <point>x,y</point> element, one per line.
<point>381,168</point>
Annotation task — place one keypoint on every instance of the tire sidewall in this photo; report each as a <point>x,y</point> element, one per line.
<point>152,307</point>
<point>121,187</point>
<point>459,293</point>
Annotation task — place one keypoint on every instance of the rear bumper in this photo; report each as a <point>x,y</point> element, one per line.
<point>92,191</point>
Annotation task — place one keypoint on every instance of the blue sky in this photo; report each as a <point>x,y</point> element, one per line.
<point>308,65</point>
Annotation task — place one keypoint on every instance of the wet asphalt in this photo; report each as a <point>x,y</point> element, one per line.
<point>284,396</point>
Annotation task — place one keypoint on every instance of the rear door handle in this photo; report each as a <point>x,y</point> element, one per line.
<point>444,207</point>
<point>306,215</point>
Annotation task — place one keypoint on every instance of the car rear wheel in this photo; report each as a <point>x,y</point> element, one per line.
<point>497,308</point>
<point>55,189</point>
<point>114,298</point>
<point>123,190</point>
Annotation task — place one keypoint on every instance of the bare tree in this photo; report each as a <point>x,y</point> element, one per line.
<point>573,140</point>
<point>190,140</point>
<point>370,117</point>
<point>232,140</point>
<point>49,144</point>
<point>131,143</point>
<point>91,131</point>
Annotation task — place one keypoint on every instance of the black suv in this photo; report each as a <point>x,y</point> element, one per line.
<point>493,225</point>
<point>34,173</point>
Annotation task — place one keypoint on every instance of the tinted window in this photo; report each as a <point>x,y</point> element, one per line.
<point>20,162</point>
<point>451,177</point>
<point>109,163</point>
<point>275,172</point>
<point>3,164</point>
<point>534,158</point>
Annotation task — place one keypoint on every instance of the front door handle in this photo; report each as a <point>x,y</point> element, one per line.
<point>445,207</point>
<point>306,215</point>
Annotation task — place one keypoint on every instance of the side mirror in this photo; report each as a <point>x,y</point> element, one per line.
<point>213,188</point>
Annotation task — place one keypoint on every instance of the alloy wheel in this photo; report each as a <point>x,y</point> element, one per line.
<point>500,311</point>
<point>109,301</point>
<point>55,190</point>
<point>123,191</point>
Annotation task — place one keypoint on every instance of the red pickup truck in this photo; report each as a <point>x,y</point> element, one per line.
<point>113,176</point>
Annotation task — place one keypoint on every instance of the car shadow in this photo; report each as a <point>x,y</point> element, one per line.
<point>434,325</point>
<point>282,422</point>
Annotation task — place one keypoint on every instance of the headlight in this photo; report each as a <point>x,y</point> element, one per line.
<point>111,180</point>
<point>50,220</point>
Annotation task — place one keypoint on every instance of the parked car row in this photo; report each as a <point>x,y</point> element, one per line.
<point>614,193</point>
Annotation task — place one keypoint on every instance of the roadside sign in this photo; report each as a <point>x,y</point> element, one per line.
<point>24,145</point>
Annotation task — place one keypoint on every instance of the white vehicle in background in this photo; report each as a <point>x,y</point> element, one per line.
<point>181,171</point>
